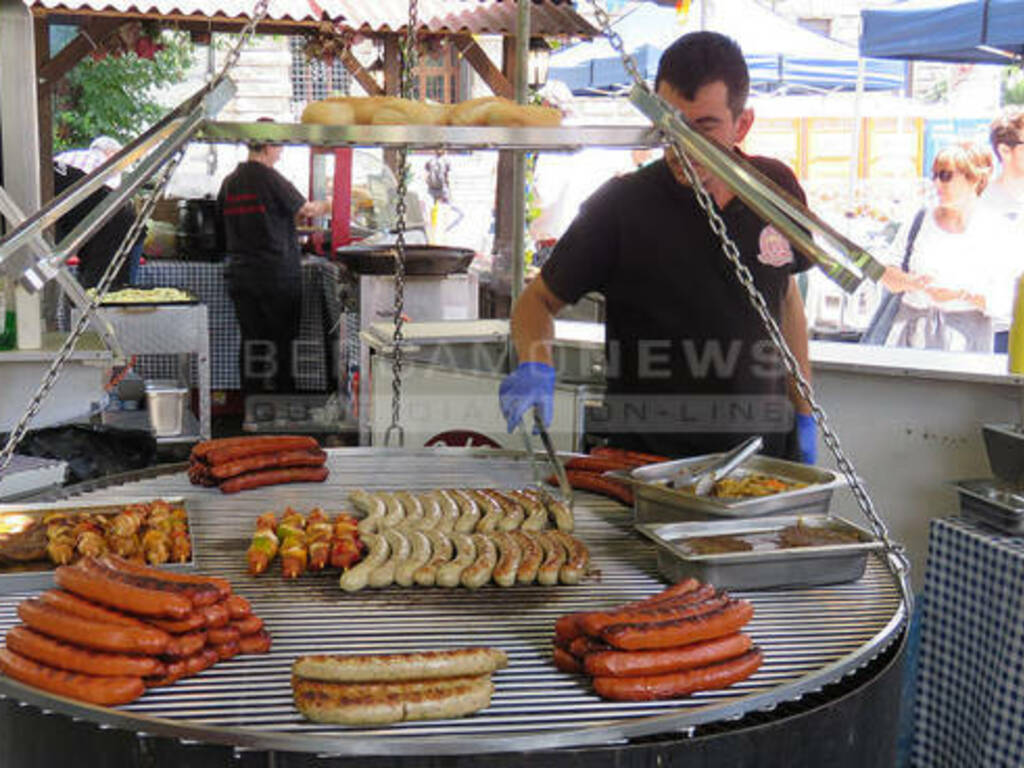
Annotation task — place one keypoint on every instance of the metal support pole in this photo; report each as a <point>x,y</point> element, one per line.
<point>519,157</point>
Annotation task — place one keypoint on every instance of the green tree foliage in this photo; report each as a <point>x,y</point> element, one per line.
<point>112,95</point>
<point>1013,85</point>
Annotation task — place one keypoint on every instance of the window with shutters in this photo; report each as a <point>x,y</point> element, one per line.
<point>438,74</point>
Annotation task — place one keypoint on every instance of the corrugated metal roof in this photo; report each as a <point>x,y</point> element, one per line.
<point>498,17</point>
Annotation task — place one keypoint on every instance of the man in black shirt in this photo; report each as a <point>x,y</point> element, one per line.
<point>691,369</point>
<point>260,207</point>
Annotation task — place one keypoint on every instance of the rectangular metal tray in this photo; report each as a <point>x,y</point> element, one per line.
<point>1004,444</point>
<point>993,502</point>
<point>657,503</point>
<point>761,569</point>
<point>41,576</point>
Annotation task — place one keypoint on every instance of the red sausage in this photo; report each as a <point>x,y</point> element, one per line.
<point>567,627</point>
<point>223,635</point>
<point>633,457</point>
<point>667,634</point>
<point>223,586</point>
<point>274,477</point>
<point>610,663</point>
<point>676,684</point>
<point>227,651</point>
<point>92,634</point>
<point>197,662</point>
<point>250,625</point>
<point>257,643</point>
<point>268,461</point>
<point>77,606</point>
<point>238,607</point>
<point>583,645</point>
<point>190,623</point>
<point>597,464</point>
<point>117,594</point>
<point>564,660</point>
<point>183,646</point>
<point>667,610</point>
<point>200,450</point>
<point>595,483</point>
<point>176,670</point>
<point>214,616</point>
<point>92,688</point>
<point>256,445</point>
<point>197,594</point>
<point>46,650</point>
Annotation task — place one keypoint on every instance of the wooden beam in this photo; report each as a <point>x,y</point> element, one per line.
<point>44,110</point>
<point>392,86</point>
<point>364,78</point>
<point>92,34</point>
<point>504,216</point>
<point>483,66</point>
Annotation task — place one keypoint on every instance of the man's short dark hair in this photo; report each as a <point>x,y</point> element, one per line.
<point>699,58</point>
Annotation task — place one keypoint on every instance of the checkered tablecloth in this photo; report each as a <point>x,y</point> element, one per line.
<point>970,690</point>
<point>321,310</point>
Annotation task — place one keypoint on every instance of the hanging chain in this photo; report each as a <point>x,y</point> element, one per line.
<point>68,347</point>
<point>406,87</point>
<point>897,553</point>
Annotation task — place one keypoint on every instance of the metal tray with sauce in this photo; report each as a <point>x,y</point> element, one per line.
<point>762,567</point>
<point>993,502</point>
<point>38,574</point>
<point>656,502</point>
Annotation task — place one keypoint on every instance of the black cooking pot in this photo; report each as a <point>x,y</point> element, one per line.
<point>200,234</point>
<point>419,259</point>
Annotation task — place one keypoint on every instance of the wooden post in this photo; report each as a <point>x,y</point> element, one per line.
<point>392,86</point>
<point>44,113</point>
<point>504,200</point>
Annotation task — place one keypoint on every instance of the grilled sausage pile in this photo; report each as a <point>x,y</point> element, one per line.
<point>116,628</point>
<point>684,639</point>
<point>239,463</point>
<point>586,473</point>
<point>470,537</point>
<point>305,543</point>
<point>371,689</point>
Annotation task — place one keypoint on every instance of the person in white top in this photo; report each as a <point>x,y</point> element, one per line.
<point>949,298</point>
<point>1004,198</point>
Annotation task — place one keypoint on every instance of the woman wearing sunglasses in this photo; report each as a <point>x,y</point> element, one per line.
<point>943,282</point>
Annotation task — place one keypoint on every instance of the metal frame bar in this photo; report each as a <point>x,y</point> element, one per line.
<point>847,268</point>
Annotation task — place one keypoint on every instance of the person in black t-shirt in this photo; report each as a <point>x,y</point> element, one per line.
<point>690,367</point>
<point>260,208</point>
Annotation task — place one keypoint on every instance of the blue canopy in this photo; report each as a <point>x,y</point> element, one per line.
<point>778,53</point>
<point>946,30</point>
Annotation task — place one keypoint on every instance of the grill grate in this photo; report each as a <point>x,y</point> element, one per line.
<point>810,637</point>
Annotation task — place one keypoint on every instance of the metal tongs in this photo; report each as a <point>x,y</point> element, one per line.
<point>704,479</point>
<point>549,448</point>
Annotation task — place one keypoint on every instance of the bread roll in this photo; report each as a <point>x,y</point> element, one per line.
<point>403,112</point>
<point>473,111</point>
<point>328,113</point>
<point>517,115</point>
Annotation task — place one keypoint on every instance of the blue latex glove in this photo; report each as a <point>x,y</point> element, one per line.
<point>531,384</point>
<point>807,438</point>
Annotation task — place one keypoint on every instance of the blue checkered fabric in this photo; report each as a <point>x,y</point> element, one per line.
<point>321,313</point>
<point>969,709</point>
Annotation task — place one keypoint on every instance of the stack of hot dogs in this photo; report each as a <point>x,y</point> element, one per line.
<point>586,473</point>
<point>365,689</point>
<point>116,628</point>
<point>684,639</point>
<point>240,463</point>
